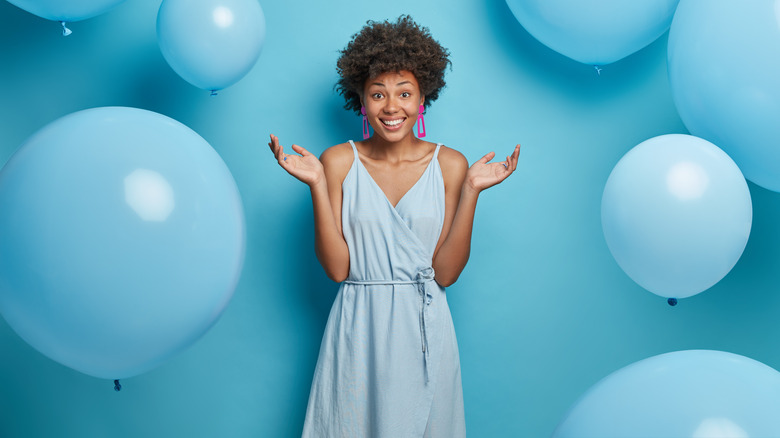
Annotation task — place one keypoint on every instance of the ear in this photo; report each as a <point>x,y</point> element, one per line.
<point>422,99</point>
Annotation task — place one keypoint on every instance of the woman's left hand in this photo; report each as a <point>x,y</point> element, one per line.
<point>482,174</point>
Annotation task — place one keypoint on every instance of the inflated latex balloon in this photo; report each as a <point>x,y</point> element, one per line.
<point>121,240</point>
<point>594,32</point>
<point>66,10</point>
<point>724,65</point>
<point>676,214</point>
<point>211,43</point>
<point>692,393</point>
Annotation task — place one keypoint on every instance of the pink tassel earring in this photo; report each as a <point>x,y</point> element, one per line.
<point>421,122</point>
<point>365,123</point>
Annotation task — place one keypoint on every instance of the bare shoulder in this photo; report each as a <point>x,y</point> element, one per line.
<point>341,153</point>
<point>453,163</point>
<point>336,160</point>
<point>338,157</point>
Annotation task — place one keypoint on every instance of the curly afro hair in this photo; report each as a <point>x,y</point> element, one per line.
<point>382,47</point>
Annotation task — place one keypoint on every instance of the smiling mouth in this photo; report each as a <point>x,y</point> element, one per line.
<point>392,123</point>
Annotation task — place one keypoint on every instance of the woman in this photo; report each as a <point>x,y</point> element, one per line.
<point>393,221</point>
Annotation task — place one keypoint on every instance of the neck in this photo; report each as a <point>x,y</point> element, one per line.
<point>407,149</point>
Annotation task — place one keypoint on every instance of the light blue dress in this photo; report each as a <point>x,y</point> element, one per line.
<point>388,364</point>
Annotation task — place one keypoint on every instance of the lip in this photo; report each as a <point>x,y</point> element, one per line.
<point>394,127</point>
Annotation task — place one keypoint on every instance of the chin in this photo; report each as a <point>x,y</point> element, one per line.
<point>395,137</point>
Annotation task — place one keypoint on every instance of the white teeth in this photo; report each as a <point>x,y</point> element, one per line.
<point>392,122</point>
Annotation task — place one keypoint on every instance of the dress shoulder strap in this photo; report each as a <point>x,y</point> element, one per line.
<point>354,149</point>
<point>436,151</point>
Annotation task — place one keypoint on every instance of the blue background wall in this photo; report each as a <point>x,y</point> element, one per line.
<point>542,311</point>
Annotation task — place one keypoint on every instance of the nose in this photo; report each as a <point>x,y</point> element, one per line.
<point>391,105</point>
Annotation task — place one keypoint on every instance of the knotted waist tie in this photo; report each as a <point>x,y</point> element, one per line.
<point>423,278</point>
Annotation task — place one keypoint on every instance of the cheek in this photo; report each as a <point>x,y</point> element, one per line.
<point>372,110</point>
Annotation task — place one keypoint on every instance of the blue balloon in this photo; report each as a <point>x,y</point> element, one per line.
<point>121,240</point>
<point>66,10</point>
<point>692,393</point>
<point>594,32</point>
<point>724,65</point>
<point>211,43</point>
<point>676,214</point>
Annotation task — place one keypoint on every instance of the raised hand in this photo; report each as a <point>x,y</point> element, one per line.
<point>482,174</point>
<point>305,167</point>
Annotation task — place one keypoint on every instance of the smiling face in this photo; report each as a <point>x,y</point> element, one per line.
<point>392,101</point>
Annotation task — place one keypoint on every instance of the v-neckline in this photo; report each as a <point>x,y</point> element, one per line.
<point>416,183</point>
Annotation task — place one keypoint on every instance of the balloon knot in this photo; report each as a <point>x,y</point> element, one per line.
<point>672,301</point>
<point>117,386</point>
<point>65,30</point>
<point>598,69</point>
<point>213,93</point>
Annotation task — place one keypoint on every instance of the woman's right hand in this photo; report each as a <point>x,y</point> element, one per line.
<point>305,167</point>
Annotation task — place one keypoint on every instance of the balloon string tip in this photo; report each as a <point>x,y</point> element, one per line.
<point>65,30</point>
<point>598,69</point>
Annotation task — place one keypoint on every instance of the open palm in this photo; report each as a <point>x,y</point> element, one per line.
<point>482,174</point>
<point>305,167</point>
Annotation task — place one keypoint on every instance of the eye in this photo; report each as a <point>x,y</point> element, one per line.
<point>406,94</point>
<point>377,95</point>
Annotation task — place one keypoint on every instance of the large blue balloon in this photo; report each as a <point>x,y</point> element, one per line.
<point>211,43</point>
<point>66,10</point>
<point>595,32</point>
<point>676,214</point>
<point>724,65</point>
<point>121,240</point>
<point>693,394</point>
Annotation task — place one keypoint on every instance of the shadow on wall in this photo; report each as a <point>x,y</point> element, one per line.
<point>158,88</point>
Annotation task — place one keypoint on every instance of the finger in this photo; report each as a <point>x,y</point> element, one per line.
<point>300,150</point>
<point>489,156</point>
<point>275,145</point>
<point>280,156</point>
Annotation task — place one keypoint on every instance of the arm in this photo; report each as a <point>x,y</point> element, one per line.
<point>462,188</point>
<point>324,179</point>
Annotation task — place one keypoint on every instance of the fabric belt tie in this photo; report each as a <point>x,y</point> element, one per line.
<point>422,280</point>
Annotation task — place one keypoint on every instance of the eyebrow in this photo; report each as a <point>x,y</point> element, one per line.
<point>400,83</point>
